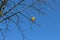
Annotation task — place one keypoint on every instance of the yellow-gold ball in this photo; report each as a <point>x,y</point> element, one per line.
<point>0,13</point>
<point>33,18</point>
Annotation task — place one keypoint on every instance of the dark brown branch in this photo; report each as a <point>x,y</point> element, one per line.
<point>13,7</point>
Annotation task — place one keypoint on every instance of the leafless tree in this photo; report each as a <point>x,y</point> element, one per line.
<point>6,15</point>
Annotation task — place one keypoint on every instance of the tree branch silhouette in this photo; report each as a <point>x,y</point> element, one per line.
<point>6,16</point>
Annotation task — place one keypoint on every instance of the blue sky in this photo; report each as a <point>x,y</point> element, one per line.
<point>49,25</point>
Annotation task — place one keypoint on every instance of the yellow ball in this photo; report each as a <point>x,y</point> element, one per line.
<point>33,19</point>
<point>0,13</point>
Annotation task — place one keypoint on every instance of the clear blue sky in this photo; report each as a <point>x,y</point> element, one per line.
<point>50,24</point>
